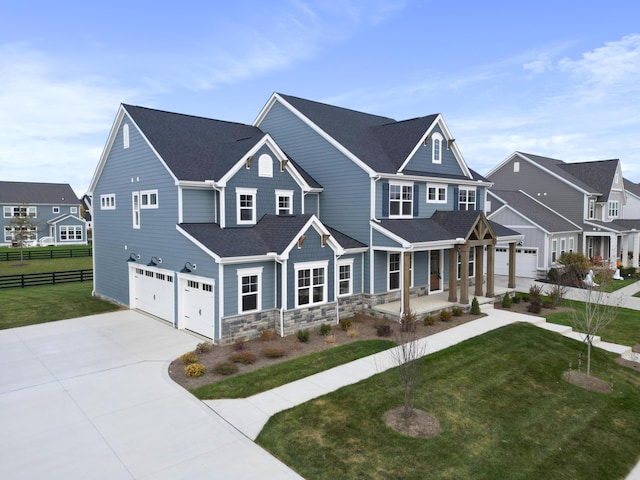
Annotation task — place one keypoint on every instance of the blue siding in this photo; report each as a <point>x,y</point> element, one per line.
<point>44,213</point>
<point>70,222</point>
<point>344,204</point>
<point>198,206</point>
<point>231,286</point>
<point>380,240</point>
<point>311,251</point>
<point>266,188</point>
<point>422,159</point>
<point>380,267</point>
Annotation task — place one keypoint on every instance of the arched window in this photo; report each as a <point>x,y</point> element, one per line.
<point>436,148</point>
<point>265,166</point>
<point>125,135</point>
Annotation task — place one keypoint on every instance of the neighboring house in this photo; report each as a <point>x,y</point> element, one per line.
<point>86,204</point>
<point>54,208</point>
<point>312,213</point>
<point>588,195</point>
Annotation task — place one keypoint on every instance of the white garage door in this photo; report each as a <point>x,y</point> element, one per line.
<point>526,261</point>
<point>197,303</point>
<point>151,290</point>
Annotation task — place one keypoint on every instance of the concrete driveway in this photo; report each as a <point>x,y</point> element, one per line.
<point>91,398</point>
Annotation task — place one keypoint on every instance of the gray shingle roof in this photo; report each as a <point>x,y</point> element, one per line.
<point>381,142</point>
<point>535,211</point>
<point>632,187</point>
<point>198,148</point>
<point>272,233</point>
<point>35,193</point>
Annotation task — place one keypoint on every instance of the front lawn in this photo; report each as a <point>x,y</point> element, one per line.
<point>15,267</point>
<point>505,410</point>
<point>28,306</point>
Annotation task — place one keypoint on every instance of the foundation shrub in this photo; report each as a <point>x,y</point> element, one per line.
<point>267,334</point>
<point>535,306</point>
<point>383,330</point>
<point>195,370</point>
<point>457,311</point>
<point>346,323</point>
<point>274,352</point>
<point>429,320</point>
<point>204,347</point>
<point>238,344</point>
<point>535,292</point>
<point>225,368</point>
<point>329,339</point>
<point>244,357</point>
<point>475,306</point>
<point>445,315</point>
<point>189,357</point>
<point>517,298</point>
<point>302,336</point>
<point>506,301</point>
<point>409,322</point>
<point>325,329</point>
<point>352,332</point>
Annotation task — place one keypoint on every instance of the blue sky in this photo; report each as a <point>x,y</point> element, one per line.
<point>560,78</point>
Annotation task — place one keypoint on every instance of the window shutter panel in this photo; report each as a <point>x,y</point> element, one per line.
<point>455,199</point>
<point>385,199</point>
<point>416,205</point>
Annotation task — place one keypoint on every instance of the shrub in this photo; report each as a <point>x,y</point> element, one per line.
<point>330,339</point>
<point>429,320</point>
<point>302,335</point>
<point>274,352</point>
<point>346,323</point>
<point>245,358</point>
<point>225,368</point>
<point>204,347</point>
<point>189,357</point>
<point>457,311</point>
<point>195,370</point>
<point>445,315</point>
<point>576,266</point>
<point>525,297</point>
<point>238,344</point>
<point>475,306</point>
<point>506,301</point>
<point>553,275</point>
<point>535,292</point>
<point>325,329</point>
<point>535,306</point>
<point>628,272</point>
<point>548,304</point>
<point>352,332</point>
<point>555,294</point>
<point>383,330</point>
<point>517,298</point>
<point>409,322</point>
<point>267,334</point>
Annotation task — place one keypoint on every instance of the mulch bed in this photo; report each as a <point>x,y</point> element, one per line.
<point>364,327</point>
<point>587,382</point>
<point>421,424</point>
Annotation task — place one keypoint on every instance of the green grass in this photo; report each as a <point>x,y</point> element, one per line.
<point>614,285</point>
<point>504,408</point>
<point>624,330</point>
<point>29,306</point>
<point>251,383</point>
<point>14,267</point>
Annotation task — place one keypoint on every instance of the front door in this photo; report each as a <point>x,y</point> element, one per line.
<point>435,278</point>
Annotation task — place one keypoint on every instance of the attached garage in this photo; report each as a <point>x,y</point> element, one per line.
<point>526,261</point>
<point>151,290</point>
<point>196,305</point>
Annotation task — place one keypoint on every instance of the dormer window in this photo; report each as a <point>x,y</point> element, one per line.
<point>125,135</point>
<point>246,206</point>
<point>436,148</point>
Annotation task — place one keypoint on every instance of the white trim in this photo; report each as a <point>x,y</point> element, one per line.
<point>265,165</point>
<point>125,136</point>
<point>253,193</point>
<point>475,196</point>
<point>135,209</point>
<point>149,195</point>
<point>311,266</point>
<point>436,137</point>
<point>284,193</point>
<point>108,201</point>
<point>346,262</point>
<point>250,272</point>
<point>401,184</point>
<point>438,187</point>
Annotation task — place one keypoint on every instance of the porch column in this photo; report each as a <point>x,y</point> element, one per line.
<point>512,265</point>
<point>613,250</point>
<point>406,281</point>
<point>636,248</point>
<point>464,274</point>
<point>453,275</point>
<point>491,263</point>
<point>625,250</point>
<point>479,270</point>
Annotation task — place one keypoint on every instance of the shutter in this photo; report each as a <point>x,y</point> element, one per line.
<point>385,200</point>
<point>455,199</point>
<point>416,205</point>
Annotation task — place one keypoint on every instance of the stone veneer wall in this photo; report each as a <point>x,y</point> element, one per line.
<point>308,318</point>
<point>249,325</point>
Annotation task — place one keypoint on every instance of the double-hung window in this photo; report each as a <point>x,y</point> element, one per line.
<point>436,193</point>
<point>345,277</point>
<point>400,199</point>
<point>613,208</point>
<point>284,202</point>
<point>21,211</point>
<point>249,294</point>
<point>472,263</point>
<point>592,208</point>
<point>554,250</point>
<point>311,283</point>
<point>466,198</point>
<point>246,206</point>
<point>394,271</point>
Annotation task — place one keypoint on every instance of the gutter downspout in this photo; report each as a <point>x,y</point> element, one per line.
<point>283,286</point>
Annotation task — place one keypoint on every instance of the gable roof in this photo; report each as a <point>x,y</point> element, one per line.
<point>632,187</point>
<point>35,193</point>
<point>534,211</point>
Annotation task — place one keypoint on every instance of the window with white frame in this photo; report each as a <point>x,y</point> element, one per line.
<point>436,148</point>
<point>345,277</point>
<point>108,201</point>
<point>400,200</point>
<point>436,193</point>
<point>563,245</point>
<point>311,283</point>
<point>249,293</point>
<point>571,244</point>
<point>516,167</point>
<point>394,278</point>
<point>554,250</point>
<point>265,166</point>
<point>73,210</point>
<point>284,202</point>
<point>20,211</point>
<point>472,263</point>
<point>466,198</point>
<point>592,208</point>
<point>246,206</point>
<point>70,232</point>
<point>10,233</point>
<point>613,208</point>
<point>149,199</point>
<point>125,135</point>
<point>55,209</point>
<point>135,209</point>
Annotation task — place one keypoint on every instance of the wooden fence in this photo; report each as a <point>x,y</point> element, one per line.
<point>50,278</point>
<point>45,254</point>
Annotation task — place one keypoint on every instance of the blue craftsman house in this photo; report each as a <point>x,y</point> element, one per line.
<point>53,208</point>
<point>308,215</point>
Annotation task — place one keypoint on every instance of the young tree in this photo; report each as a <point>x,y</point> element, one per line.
<point>24,228</point>
<point>599,310</point>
